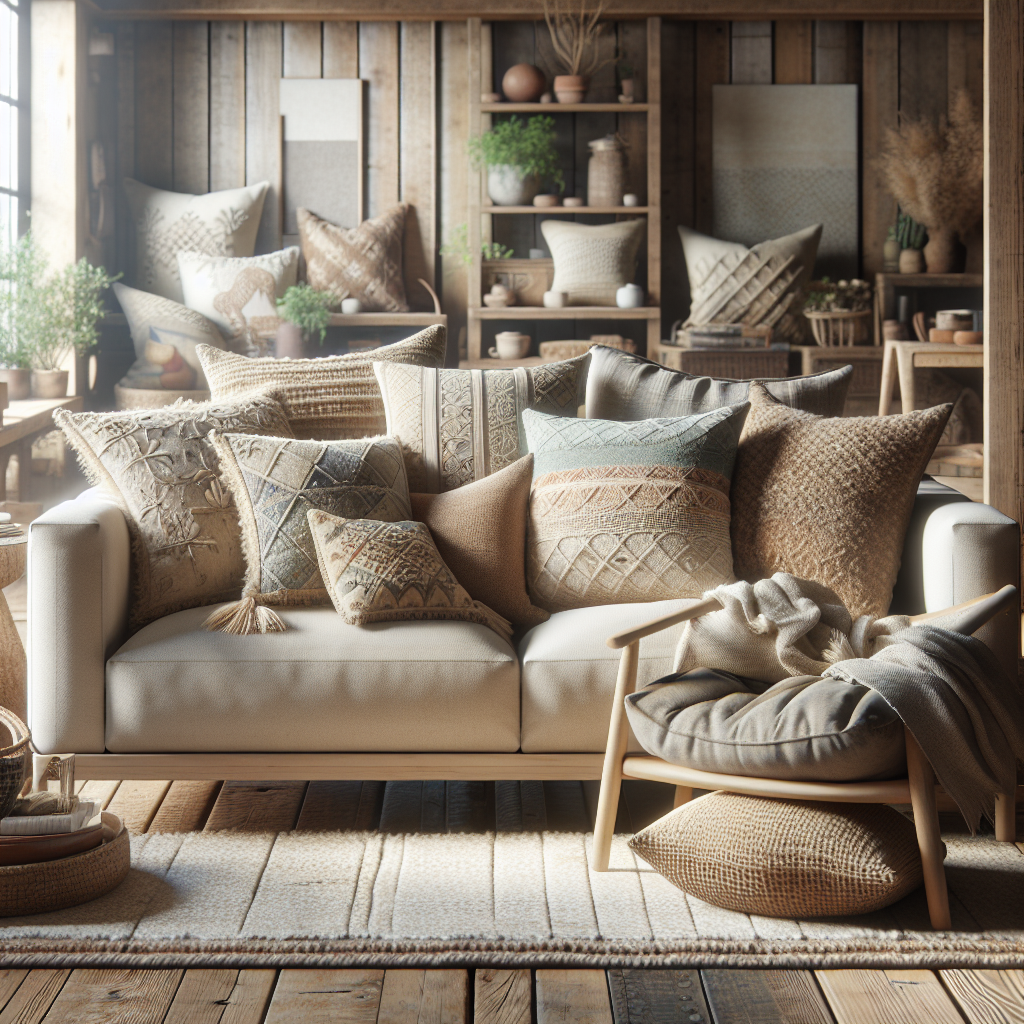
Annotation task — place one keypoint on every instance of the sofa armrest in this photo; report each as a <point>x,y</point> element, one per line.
<point>78,592</point>
<point>969,549</point>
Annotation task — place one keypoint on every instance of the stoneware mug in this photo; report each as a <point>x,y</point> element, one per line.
<point>350,306</point>
<point>510,345</point>
<point>556,300</point>
<point>629,296</point>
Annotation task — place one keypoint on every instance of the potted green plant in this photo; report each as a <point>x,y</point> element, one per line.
<point>304,312</point>
<point>21,268</point>
<point>519,156</point>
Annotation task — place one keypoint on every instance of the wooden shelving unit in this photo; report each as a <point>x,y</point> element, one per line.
<point>481,207</point>
<point>886,285</point>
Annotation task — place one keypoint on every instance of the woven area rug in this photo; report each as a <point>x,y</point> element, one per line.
<point>333,899</point>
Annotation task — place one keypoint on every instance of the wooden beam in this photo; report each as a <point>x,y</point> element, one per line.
<point>191,109</point>
<point>378,65</point>
<point>227,104</point>
<point>794,53</point>
<point>154,108</point>
<point>712,68</point>
<point>263,65</point>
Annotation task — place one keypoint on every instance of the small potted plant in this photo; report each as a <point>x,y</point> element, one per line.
<point>627,82</point>
<point>21,268</point>
<point>304,312</point>
<point>519,156</point>
<point>575,35</point>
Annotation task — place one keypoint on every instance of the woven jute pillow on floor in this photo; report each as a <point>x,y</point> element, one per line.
<point>785,858</point>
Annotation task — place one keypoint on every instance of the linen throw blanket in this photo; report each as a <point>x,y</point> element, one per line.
<point>947,688</point>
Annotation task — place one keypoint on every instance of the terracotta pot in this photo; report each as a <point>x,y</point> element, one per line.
<point>49,384</point>
<point>570,88</point>
<point>288,341</point>
<point>940,252</point>
<point>891,256</point>
<point>523,83</point>
<point>19,384</point>
<point>911,262</point>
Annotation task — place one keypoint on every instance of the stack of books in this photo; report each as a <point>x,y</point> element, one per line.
<point>722,337</point>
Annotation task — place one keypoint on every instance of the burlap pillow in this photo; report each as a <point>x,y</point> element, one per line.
<point>628,512</point>
<point>390,572</point>
<point>480,532</point>
<point>592,261</point>
<point>785,858</point>
<point>331,398</point>
<point>828,499</point>
<point>163,470</point>
<point>456,426</point>
<point>363,263</point>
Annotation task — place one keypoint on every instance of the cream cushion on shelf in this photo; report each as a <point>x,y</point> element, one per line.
<point>321,686</point>
<point>331,398</point>
<point>166,223</point>
<point>592,261</point>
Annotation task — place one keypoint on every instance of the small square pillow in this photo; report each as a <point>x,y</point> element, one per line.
<point>330,398</point>
<point>622,386</point>
<point>239,295</point>
<point>828,499</point>
<point>389,572</point>
<point>457,426</point>
<point>363,263</point>
<point>592,261</point>
<point>480,531</point>
<point>276,481</point>
<point>629,512</point>
<point>161,467</point>
<point>166,223</point>
<point>165,334</point>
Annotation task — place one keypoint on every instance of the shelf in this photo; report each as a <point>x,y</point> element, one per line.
<point>564,210</point>
<point>565,313</point>
<point>933,280</point>
<point>564,108</point>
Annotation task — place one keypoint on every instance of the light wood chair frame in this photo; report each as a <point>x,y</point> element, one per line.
<point>918,789</point>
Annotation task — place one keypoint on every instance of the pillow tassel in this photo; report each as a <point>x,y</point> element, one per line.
<point>245,618</point>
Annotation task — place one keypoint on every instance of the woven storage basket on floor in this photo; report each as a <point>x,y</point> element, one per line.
<point>785,858</point>
<point>56,884</point>
<point>15,758</point>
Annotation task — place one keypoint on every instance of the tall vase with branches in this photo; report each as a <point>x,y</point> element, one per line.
<point>575,28</point>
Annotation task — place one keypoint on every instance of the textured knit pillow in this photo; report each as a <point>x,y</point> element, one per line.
<point>592,261</point>
<point>785,858</point>
<point>276,481</point>
<point>363,263</point>
<point>239,295</point>
<point>456,426</point>
<point>622,386</point>
<point>165,334</point>
<point>390,572</point>
<point>166,223</point>
<point>331,398</point>
<point>163,470</point>
<point>828,499</point>
<point>628,512</point>
<point>480,531</point>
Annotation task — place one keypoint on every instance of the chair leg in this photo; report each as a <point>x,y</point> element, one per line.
<point>684,794</point>
<point>611,774</point>
<point>926,822</point>
<point>1006,817</point>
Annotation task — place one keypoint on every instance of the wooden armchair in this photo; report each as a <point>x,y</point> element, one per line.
<point>918,789</point>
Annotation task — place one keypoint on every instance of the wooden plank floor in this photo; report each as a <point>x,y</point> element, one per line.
<point>483,996</point>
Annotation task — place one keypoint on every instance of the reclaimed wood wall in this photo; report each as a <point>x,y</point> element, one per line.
<point>192,106</point>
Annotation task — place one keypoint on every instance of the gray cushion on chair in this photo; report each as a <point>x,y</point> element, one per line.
<point>803,728</point>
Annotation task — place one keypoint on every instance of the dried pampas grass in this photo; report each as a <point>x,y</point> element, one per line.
<point>935,171</point>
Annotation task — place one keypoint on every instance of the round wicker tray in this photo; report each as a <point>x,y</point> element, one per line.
<point>150,398</point>
<point>56,884</point>
<point>839,327</point>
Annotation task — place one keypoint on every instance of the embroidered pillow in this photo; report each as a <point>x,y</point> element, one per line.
<point>166,223</point>
<point>389,572</point>
<point>629,512</point>
<point>331,398</point>
<point>363,263</point>
<point>457,426</point>
<point>592,261</point>
<point>161,467</point>
<point>829,499</point>
<point>239,295</point>
<point>165,334</point>
<point>276,481</point>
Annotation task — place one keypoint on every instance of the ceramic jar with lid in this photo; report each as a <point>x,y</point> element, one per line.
<point>606,172</point>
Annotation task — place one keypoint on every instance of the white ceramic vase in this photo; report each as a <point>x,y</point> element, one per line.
<point>507,186</point>
<point>629,296</point>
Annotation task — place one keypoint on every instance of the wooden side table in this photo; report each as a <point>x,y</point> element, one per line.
<point>12,651</point>
<point>23,423</point>
<point>903,357</point>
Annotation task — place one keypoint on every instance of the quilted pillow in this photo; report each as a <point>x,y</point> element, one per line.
<point>330,398</point>
<point>629,512</point>
<point>389,572</point>
<point>239,295</point>
<point>456,426</point>
<point>592,261</point>
<point>363,262</point>
<point>276,481</point>
<point>164,472</point>
<point>785,858</point>
<point>166,223</point>
<point>623,386</point>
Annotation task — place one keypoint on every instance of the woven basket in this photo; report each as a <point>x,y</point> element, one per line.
<point>14,760</point>
<point>839,327</point>
<point>153,398</point>
<point>56,884</point>
<point>555,351</point>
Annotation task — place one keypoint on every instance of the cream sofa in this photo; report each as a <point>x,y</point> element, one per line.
<point>412,700</point>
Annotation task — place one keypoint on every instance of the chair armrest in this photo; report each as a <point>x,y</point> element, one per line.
<point>631,636</point>
<point>78,592</point>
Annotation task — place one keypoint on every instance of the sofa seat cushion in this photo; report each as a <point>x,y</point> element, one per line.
<point>322,686</point>
<point>568,673</point>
